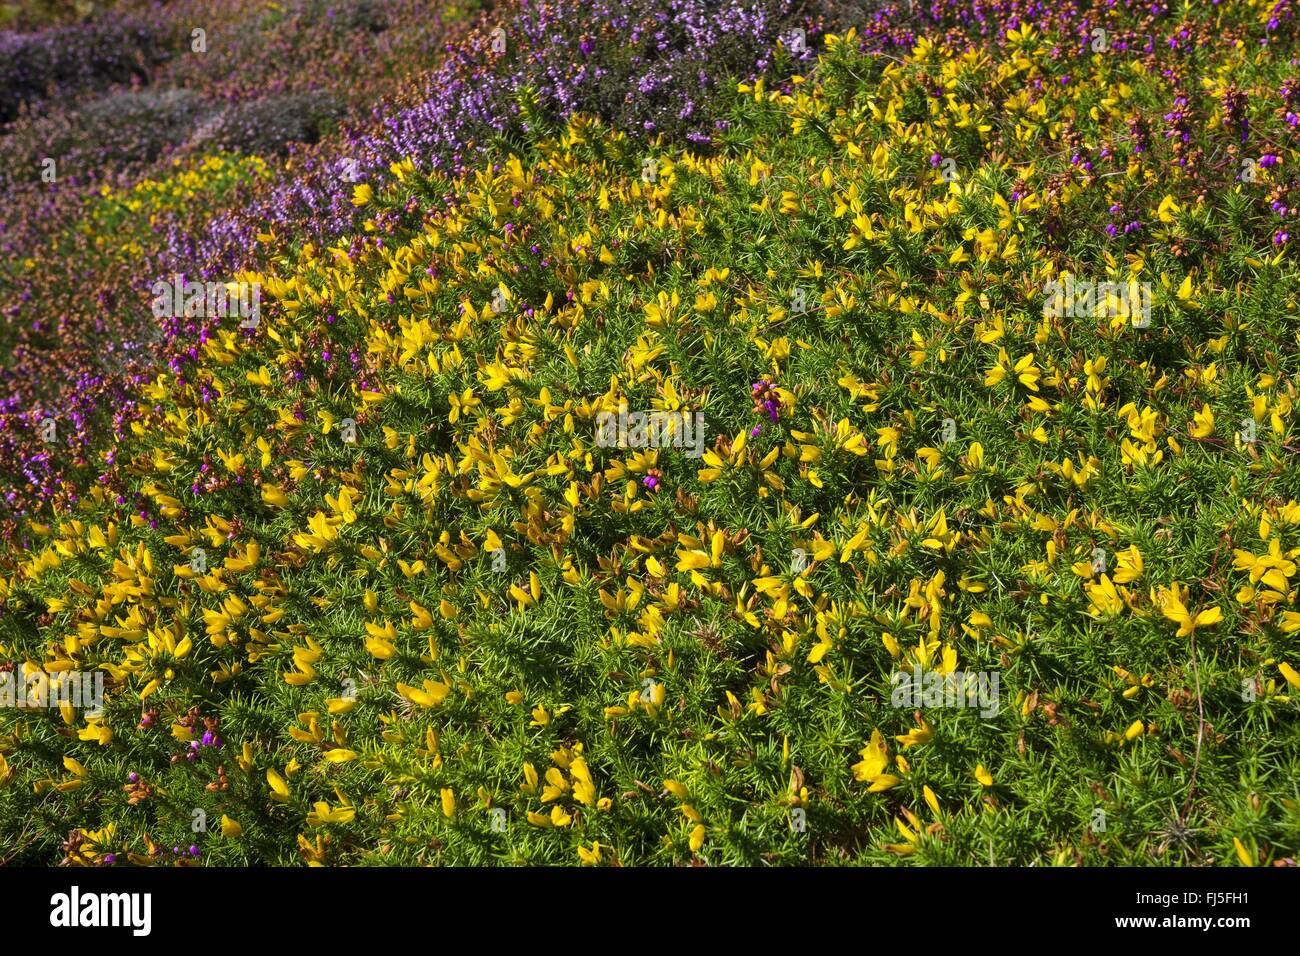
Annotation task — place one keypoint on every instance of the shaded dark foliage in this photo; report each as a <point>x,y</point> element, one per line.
<point>268,126</point>
<point>72,59</point>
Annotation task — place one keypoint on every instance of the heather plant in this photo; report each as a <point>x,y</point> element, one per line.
<point>120,133</point>
<point>74,60</point>
<point>343,48</point>
<point>647,67</point>
<point>265,127</point>
<point>121,136</point>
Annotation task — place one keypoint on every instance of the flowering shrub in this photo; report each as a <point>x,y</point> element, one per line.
<point>647,67</point>
<point>672,53</point>
<point>95,341</point>
<point>367,586</point>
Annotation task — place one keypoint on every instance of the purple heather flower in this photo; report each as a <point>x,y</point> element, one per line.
<point>650,481</point>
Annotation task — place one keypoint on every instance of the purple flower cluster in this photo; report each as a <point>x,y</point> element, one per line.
<point>766,402</point>
<point>1234,113</point>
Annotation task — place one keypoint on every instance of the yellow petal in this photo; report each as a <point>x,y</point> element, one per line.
<point>697,838</point>
<point>931,799</point>
<point>1242,853</point>
<point>1290,674</point>
<point>279,789</point>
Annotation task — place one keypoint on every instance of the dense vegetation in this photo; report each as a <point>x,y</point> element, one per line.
<point>366,588</point>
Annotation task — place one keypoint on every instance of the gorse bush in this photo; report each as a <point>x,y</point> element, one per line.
<point>85,348</point>
<point>646,67</point>
<point>556,59</point>
<point>367,586</point>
